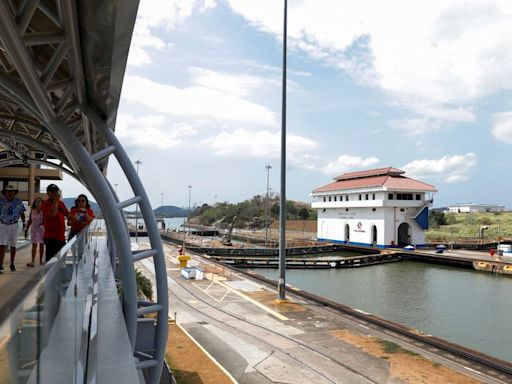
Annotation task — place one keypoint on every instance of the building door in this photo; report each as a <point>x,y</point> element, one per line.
<point>347,233</point>
<point>404,234</point>
<point>323,230</point>
<point>374,235</point>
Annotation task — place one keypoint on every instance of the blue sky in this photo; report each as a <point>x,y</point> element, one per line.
<point>421,86</point>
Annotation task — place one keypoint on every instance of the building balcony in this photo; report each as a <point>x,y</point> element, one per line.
<point>23,173</point>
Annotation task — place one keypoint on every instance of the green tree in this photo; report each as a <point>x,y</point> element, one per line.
<point>303,213</point>
<point>144,286</point>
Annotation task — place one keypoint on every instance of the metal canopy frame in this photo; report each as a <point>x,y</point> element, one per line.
<point>61,68</point>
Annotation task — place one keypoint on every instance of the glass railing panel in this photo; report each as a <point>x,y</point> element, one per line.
<point>43,339</point>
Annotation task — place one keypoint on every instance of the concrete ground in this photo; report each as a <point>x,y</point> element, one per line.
<point>469,254</point>
<point>15,285</point>
<point>237,321</point>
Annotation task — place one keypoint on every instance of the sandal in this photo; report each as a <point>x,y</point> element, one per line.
<point>30,264</point>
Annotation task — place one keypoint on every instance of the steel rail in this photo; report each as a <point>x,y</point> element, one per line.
<point>270,330</point>
<point>468,354</point>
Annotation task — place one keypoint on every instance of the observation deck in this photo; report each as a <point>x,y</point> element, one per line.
<point>62,65</point>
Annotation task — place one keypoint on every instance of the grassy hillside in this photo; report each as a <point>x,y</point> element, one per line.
<point>467,225</point>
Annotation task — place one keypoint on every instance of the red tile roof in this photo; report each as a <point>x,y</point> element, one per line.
<point>390,178</point>
<point>369,173</point>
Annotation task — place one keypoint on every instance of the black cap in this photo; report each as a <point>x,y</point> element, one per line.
<point>52,188</point>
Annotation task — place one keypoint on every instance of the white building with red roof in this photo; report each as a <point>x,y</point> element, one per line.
<point>378,207</point>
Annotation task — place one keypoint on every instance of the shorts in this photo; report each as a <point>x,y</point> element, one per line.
<point>9,234</point>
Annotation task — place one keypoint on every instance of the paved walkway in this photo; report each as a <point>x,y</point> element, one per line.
<point>15,285</point>
<point>474,255</point>
<point>236,320</point>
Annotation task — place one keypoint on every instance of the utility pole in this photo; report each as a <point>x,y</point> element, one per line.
<point>137,163</point>
<point>215,210</point>
<point>281,286</point>
<point>268,168</point>
<point>189,193</point>
<point>162,202</point>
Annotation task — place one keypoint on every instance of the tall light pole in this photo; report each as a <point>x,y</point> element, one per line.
<point>137,163</point>
<point>267,167</point>
<point>215,210</point>
<point>281,286</point>
<point>189,193</point>
<point>162,199</point>
<point>115,188</point>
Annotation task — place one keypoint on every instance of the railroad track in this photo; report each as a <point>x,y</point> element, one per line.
<point>483,362</point>
<point>272,346</point>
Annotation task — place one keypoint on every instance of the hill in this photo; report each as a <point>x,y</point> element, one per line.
<point>170,211</point>
<point>164,211</point>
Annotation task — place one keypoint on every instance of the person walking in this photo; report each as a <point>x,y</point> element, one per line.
<point>80,216</point>
<point>35,221</point>
<point>54,215</point>
<point>11,209</point>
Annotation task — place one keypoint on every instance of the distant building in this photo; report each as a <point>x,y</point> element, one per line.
<point>471,208</point>
<point>378,207</point>
<point>27,178</point>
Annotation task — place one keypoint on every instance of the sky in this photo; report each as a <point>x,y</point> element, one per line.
<point>423,86</point>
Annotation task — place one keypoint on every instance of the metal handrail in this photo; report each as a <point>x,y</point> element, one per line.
<point>41,304</point>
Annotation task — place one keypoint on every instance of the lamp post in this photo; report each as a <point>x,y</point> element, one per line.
<point>115,188</point>
<point>281,285</point>
<point>189,193</point>
<point>137,163</point>
<point>215,210</point>
<point>267,167</point>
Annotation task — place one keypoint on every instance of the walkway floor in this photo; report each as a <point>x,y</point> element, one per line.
<point>237,321</point>
<point>469,254</point>
<point>15,285</point>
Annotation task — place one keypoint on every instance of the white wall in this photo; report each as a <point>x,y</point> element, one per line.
<point>331,224</point>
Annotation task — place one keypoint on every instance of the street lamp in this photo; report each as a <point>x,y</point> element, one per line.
<point>267,167</point>
<point>189,193</point>
<point>281,285</point>
<point>215,210</point>
<point>162,202</point>
<point>115,188</point>
<point>137,163</point>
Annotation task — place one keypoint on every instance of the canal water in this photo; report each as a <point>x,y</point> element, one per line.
<point>466,307</point>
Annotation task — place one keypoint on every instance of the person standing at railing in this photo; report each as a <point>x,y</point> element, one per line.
<point>54,215</point>
<point>35,221</point>
<point>11,209</point>
<point>80,216</point>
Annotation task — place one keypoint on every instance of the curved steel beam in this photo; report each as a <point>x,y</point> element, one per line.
<point>78,155</point>
<point>35,143</point>
<point>6,163</point>
<point>153,234</point>
<point>16,93</point>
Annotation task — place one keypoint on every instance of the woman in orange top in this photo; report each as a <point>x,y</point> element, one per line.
<point>80,216</point>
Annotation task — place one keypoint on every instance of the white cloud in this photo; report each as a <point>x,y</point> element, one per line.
<point>232,84</point>
<point>435,56</point>
<point>243,143</point>
<point>346,163</point>
<point>448,168</point>
<point>502,126</point>
<point>417,126</point>
<point>156,15</point>
<point>195,101</point>
<point>151,131</point>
